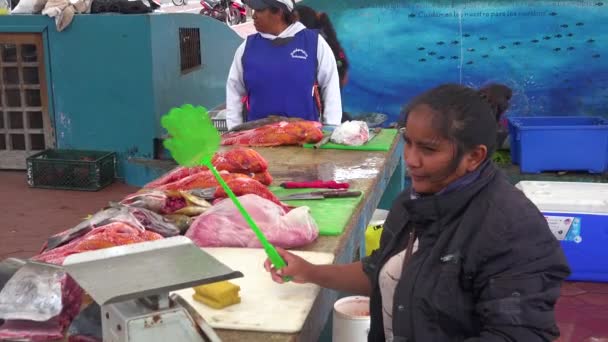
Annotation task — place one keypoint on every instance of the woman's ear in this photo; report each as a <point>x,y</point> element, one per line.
<point>475,157</point>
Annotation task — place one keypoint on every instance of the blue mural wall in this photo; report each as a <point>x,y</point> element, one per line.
<point>553,54</point>
<point>205,86</point>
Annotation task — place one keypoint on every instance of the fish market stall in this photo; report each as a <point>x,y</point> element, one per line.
<point>374,173</point>
<point>292,312</point>
<point>265,311</point>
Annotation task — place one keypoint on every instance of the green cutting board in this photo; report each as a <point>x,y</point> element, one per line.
<point>332,214</point>
<point>381,142</point>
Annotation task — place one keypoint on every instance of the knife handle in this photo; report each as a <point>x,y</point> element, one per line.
<point>340,194</point>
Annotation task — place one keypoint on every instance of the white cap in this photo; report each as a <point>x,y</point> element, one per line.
<point>259,5</point>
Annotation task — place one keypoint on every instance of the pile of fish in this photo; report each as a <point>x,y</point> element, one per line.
<point>237,163</point>
<point>168,203</point>
<point>246,186</point>
<point>283,133</point>
<point>184,201</point>
<point>262,122</point>
<point>244,170</point>
<point>110,235</point>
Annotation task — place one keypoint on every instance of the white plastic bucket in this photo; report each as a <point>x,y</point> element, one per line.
<point>351,319</point>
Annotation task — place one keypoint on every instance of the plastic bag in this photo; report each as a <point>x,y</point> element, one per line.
<point>153,222</point>
<point>33,294</point>
<point>100,218</point>
<point>240,160</point>
<point>352,133</point>
<point>224,226</point>
<point>87,325</point>
<point>8,267</point>
<point>110,235</point>
<point>139,218</point>
<point>373,232</point>
<point>55,327</point>
<point>168,202</point>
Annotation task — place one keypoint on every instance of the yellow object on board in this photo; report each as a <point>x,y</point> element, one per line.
<point>217,295</point>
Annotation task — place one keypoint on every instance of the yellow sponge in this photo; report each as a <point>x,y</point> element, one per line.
<point>217,295</point>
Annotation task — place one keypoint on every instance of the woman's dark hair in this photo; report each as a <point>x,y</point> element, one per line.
<point>466,116</point>
<point>498,95</point>
<point>307,16</point>
<point>289,17</point>
<point>320,21</point>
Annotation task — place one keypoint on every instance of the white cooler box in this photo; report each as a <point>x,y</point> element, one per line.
<point>577,214</point>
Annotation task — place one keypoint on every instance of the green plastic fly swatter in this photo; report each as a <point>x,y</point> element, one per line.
<point>194,140</point>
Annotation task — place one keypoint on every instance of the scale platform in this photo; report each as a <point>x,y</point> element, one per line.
<point>130,272</point>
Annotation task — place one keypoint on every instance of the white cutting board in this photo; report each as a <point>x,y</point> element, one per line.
<point>265,305</point>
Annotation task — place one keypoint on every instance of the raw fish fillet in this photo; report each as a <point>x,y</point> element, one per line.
<point>277,134</point>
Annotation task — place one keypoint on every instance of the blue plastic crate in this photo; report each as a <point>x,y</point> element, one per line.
<point>566,143</point>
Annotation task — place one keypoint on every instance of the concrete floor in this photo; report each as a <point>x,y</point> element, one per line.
<point>29,216</point>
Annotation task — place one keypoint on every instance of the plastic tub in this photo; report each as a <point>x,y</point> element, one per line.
<point>567,143</point>
<point>351,319</point>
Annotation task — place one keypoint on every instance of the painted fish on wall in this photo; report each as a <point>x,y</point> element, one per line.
<point>553,55</point>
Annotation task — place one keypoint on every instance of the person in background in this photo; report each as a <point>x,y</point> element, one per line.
<point>320,21</point>
<point>499,94</point>
<point>280,69</point>
<point>464,255</point>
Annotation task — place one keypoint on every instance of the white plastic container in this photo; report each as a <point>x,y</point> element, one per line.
<point>351,319</point>
<point>577,214</point>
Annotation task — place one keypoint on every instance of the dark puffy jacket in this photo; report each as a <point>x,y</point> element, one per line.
<point>487,267</point>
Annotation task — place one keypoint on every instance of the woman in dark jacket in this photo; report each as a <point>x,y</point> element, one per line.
<point>464,255</point>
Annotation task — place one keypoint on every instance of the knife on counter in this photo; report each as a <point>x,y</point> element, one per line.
<point>373,133</point>
<point>318,195</point>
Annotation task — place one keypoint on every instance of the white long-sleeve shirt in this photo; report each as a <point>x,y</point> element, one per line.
<point>327,76</point>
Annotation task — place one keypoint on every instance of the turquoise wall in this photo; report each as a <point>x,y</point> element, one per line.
<point>111,77</point>
<point>100,81</point>
<point>205,86</point>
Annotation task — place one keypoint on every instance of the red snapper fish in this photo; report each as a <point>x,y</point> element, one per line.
<point>277,134</point>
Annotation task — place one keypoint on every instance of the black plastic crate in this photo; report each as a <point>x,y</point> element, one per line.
<point>71,169</point>
<point>220,125</point>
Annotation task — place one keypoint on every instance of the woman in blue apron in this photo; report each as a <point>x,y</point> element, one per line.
<point>284,69</point>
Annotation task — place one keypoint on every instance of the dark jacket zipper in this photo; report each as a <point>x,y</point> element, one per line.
<point>411,243</point>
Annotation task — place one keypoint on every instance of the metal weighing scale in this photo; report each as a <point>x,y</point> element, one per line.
<point>132,283</point>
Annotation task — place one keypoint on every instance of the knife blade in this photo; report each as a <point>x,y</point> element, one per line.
<point>373,133</point>
<point>323,141</point>
<point>317,195</point>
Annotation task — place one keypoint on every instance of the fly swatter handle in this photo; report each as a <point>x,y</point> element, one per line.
<point>272,253</point>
